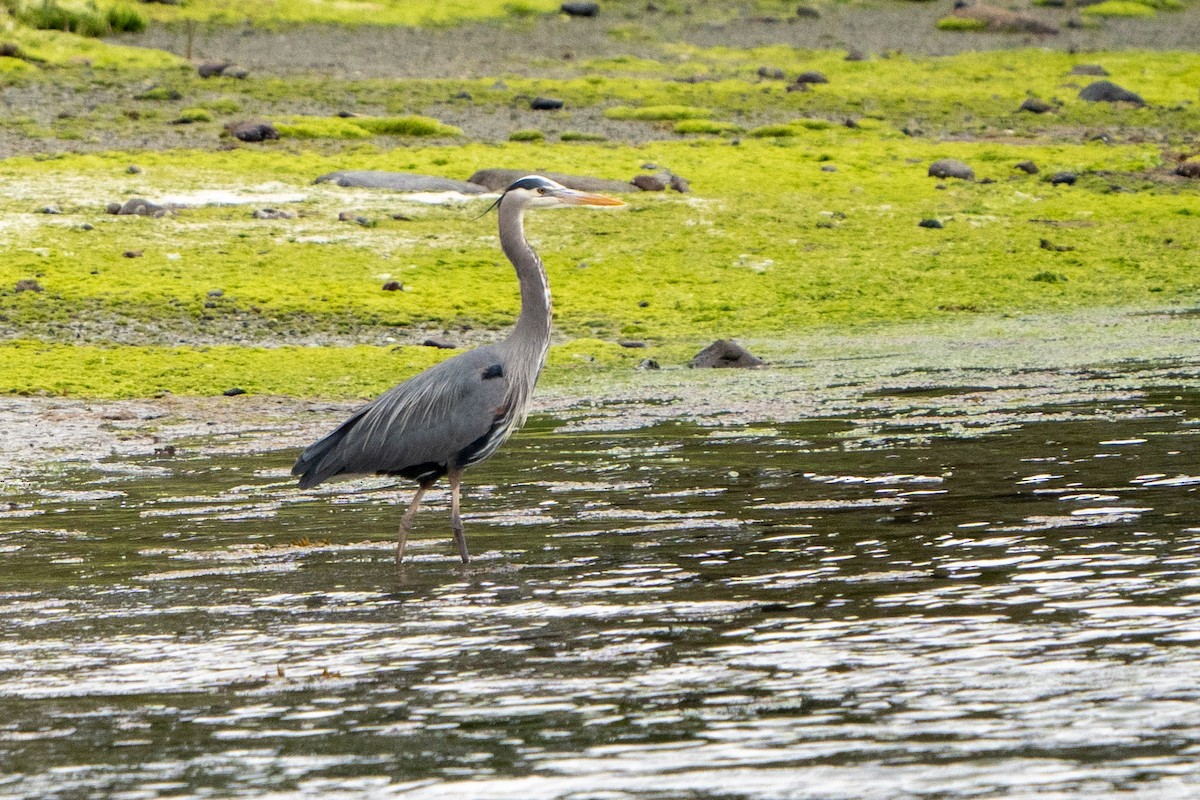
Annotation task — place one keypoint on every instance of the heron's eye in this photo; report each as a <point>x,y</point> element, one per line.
<point>542,190</point>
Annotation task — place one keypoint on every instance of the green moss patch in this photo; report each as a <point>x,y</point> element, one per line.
<point>663,113</point>
<point>1119,8</point>
<point>363,127</point>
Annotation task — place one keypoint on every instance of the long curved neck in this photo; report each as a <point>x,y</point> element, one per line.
<point>533,326</point>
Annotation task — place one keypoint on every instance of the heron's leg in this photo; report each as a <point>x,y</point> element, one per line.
<point>456,525</point>
<point>407,520</point>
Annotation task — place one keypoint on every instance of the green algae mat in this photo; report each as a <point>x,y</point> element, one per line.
<point>808,211</point>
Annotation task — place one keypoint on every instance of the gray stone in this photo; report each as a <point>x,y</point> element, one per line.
<point>951,168</point>
<point>400,181</point>
<point>578,8</point>
<point>497,180</point>
<point>725,353</point>
<point>1109,92</point>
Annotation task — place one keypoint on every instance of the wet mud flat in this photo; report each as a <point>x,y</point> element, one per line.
<point>947,583</point>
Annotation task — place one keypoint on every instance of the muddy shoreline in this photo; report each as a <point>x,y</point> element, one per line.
<point>886,384</point>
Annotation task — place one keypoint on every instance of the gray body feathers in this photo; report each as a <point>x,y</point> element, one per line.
<point>449,416</point>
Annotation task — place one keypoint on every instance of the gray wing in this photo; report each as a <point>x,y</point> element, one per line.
<point>419,428</point>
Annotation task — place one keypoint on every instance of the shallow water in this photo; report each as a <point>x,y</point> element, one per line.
<point>830,609</point>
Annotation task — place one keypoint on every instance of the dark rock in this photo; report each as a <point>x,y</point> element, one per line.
<point>581,9</point>
<point>87,226</point>
<point>725,353</point>
<point>212,69</point>
<point>798,87</point>
<point>630,343</point>
<point>345,216</point>
<point>1027,167</point>
<point>1035,105</point>
<point>463,95</point>
<point>393,286</point>
<point>133,169</point>
<point>252,130</point>
<point>273,213</point>
<point>50,210</point>
<point>679,184</point>
<point>811,76</point>
<point>1089,69</point>
<point>828,168</point>
<point>234,391</point>
<point>1109,92</point>
<point>1188,169</point>
<point>241,73</point>
<point>931,223</point>
<point>132,254</point>
<point>400,181</point>
<point>497,180</point>
<point>771,73</point>
<point>1068,178</point>
<point>441,344</point>
<point>648,363</point>
<point>951,168</point>
<point>650,183</point>
<point>215,293</point>
<point>807,12</point>
<point>856,55</point>
<point>545,104</point>
<point>27,285</point>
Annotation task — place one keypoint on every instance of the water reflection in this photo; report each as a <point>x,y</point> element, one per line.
<point>810,610</point>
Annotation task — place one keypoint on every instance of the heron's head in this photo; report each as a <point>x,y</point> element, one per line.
<point>535,191</point>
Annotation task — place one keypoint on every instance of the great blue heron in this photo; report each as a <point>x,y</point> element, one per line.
<point>458,412</point>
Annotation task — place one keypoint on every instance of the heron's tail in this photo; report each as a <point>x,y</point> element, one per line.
<point>321,461</point>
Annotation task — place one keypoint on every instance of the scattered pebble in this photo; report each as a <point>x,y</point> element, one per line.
<point>578,8</point>
<point>546,104</point>
<point>216,293</point>
<point>133,169</point>
<point>1027,167</point>
<point>811,76</point>
<point>252,130</point>
<point>1109,92</point>
<point>441,344</point>
<point>771,73</point>
<point>1089,69</point>
<point>679,184</point>
<point>132,254</point>
<point>951,168</point>
<point>931,223</point>
<point>1046,244</point>
<point>137,206</point>
<point>393,286</point>
<point>630,343</point>
<point>725,353</point>
<point>1035,105</point>
<point>648,363</point>
<point>212,69</point>
<point>1188,169</point>
<point>273,213</point>
<point>828,168</point>
<point>650,183</point>
<point>28,285</point>
<point>51,210</point>
<point>234,391</point>
<point>1068,178</point>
